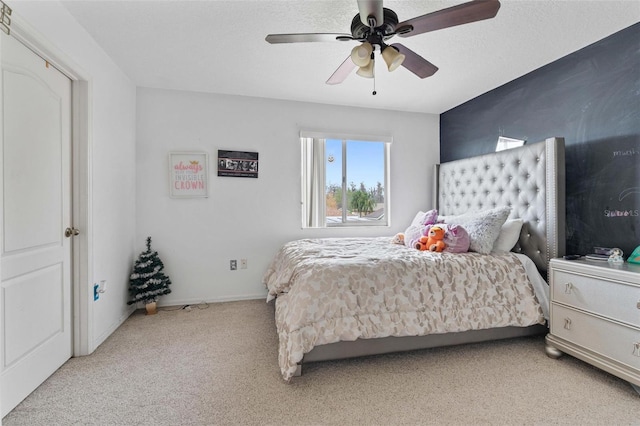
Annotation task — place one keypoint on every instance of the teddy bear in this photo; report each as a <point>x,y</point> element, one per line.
<point>433,241</point>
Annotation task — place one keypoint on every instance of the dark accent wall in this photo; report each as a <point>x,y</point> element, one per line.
<point>592,99</point>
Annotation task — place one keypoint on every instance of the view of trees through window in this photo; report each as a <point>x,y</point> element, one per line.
<point>355,181</point>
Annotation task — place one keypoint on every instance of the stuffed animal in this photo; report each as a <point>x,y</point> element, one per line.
<point>433,240</point>
<point>616,256</point>
<point>398,238</point>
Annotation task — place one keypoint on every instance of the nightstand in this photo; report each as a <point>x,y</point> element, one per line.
<point>595,315</point>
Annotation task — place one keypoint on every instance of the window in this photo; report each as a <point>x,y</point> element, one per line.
<point>345,180</point>
<point>508,143</point>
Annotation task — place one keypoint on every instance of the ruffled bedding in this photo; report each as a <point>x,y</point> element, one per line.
<point>343,289</point>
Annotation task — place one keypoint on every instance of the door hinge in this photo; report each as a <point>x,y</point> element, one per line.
<point>5,20</point>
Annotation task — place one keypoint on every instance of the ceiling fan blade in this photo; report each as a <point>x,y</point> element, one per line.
<point>457,15</point>
<point>416,63</point>
<point>306,37</point>
<point>342,72</point>
<point>371,8</point>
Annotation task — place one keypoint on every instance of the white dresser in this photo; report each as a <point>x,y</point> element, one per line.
<point>595,315</point>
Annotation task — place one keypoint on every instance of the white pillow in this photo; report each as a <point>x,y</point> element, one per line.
<point>508,236</point>
<point>418,219</point>
<point>483,227</point>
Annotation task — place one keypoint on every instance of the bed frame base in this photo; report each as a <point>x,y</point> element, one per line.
<point>366,347</point>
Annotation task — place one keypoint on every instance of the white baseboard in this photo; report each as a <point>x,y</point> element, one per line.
<point>100,339</point>
<point>181,302</point>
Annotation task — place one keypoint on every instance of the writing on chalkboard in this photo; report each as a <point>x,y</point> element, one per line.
<point>625,153</point>
<point>621,213</point>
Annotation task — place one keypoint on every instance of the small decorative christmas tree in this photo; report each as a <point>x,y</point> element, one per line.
<point>148,282</point>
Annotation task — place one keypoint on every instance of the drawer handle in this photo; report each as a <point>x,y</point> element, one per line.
<point>568,287</point>
<point>567,323</point>
<point>636,349</point>
<point>638,304</point>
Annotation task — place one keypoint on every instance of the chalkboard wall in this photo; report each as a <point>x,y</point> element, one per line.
<point>592,99</point>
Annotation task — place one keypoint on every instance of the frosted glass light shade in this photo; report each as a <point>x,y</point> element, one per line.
<point>367,70</point>
<point>392,57</point>
<point>361,55</point>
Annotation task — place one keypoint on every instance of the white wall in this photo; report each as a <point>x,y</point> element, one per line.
<point>251,218</point>
<point>112,165</point>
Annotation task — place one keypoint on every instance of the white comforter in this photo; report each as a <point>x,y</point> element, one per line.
<point>337,289</point>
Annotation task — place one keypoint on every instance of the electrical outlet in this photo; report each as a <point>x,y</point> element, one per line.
<point>233,264</point>
<point>243,263</point>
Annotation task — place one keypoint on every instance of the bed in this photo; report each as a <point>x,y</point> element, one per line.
<point>347,297</point>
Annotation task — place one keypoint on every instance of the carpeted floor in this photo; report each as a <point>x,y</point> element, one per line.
<point>218,366</point>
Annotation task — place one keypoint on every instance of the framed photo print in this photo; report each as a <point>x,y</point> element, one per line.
<point>238,164</point>
<point>188,174</point>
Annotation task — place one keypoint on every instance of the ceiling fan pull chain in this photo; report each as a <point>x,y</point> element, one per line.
<point>374,75</point>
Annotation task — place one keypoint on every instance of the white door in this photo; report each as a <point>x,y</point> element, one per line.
<point>35,269</point>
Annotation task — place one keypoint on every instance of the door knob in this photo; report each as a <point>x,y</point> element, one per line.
<point>69,232</point>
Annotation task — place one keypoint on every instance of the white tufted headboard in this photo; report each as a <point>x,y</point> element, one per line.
<point>530,179</point>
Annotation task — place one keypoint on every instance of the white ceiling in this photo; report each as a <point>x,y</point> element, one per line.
<point>219,47</point>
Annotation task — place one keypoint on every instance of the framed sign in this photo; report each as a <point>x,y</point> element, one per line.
<point>188,174</point>
<point>238,164</point>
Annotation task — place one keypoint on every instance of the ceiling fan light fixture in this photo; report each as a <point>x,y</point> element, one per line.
<point>392,57</point>
<point>367,70</point>
<point>361,55</point>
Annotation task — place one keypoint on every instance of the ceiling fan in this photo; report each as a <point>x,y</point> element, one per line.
<point>375,24</point>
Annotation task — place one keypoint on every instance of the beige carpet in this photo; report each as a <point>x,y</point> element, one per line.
<point>218,366</point>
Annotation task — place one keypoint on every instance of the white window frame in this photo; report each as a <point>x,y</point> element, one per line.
<point>508,143</point>
<point>313,178</point>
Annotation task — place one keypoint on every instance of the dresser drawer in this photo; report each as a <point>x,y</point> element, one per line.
<point>607,298</point>
<point>610,339</point>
